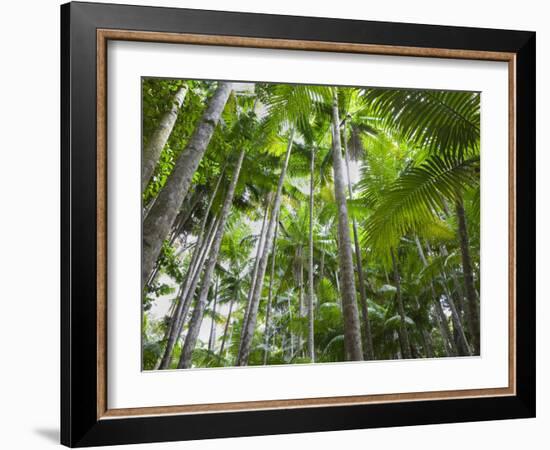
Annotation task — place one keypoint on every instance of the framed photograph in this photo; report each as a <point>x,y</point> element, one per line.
<point>277,224</point>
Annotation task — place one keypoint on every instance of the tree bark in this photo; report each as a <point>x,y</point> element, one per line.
<point>471,296</point>
<point>198,313</point>
<point>300,255</point>
<point>212,339</point>
<point>369,351</point>
<point>248,328</point>
<point>153,149</point>
<point>291,335</point>
<point>160,219</point>
<point>462,342</point>
<point>352,328</point>
<point>428,346</point>
<point>406,346</point>
<point>184,215</point>
<point>300,295</point>
<point>310,311</point>
<point>259,251</point>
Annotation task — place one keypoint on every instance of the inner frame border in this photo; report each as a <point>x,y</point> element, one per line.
<point>103,36</point>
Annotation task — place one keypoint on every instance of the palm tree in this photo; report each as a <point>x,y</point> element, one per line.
<point>191,281</point>
<point>311,292</point>
<point>473,307</point>
<point>153,148</point>
<point>352,333</point>
<point>160,218</point>
<point>196,320</point>
<point>249,326</point>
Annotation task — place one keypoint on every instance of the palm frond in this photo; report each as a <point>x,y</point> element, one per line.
<point>416,197</point>
<point>444,122</point>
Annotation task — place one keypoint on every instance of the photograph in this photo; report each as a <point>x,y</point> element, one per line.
<point>289,224</point>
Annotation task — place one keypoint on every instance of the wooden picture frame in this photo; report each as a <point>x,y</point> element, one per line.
<point>86,418</point>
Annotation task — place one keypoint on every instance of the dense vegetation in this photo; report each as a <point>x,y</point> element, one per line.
<point>294,224</point>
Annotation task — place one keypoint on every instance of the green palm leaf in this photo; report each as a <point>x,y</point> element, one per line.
<point>444,122</point>
<point>415,198</point>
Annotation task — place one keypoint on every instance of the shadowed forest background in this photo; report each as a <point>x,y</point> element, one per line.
<point>291,224</point>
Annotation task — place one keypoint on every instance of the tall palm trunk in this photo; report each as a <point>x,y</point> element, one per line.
<point>300,256</point>
<point>197,275</point>
<point>291,335</point>
<point>456,283</point>
<point>369,351</point>
<point>448,342</point>
<point>471,295</point>
<point>160,218</point>
<point>212,339</point>
<point>352,327</point>
<point>184,215</point>
<point>310,340</point>
<point>403,333</point>
<point>461,341</point>
<point>321,275</point>
<point>188,292</point>
<point>267,332</point>
<point>227,323</point>
<point>259,250</point>
<point>198,313</point>
<point>191,280</point>
<point>250,325</point>
<point>153,149</point>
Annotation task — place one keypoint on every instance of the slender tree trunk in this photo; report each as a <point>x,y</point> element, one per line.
<point>191,279</point>
<point>352,328</point>
<point>248,330</point>
<point>462,344</point>
<point>267,333</point>
<point>459,305</point>
<point>338,290</point>
<point>448,341</point>
<point>198,313</point>
<point>320,277</point>
<point>184,215</point>
<point>291,335</point>
<point>300,256</point>
<point>153,276</point>
<point>471,296</point>
<point>259,252</point>
<point>310,311</point>
<point>212,339</point>
<point>428,346</point>
<point>187,293</point>
<point>160,219</point>
<point>227,323</point>
<point>456,283</point>
<point>301,296</point>
<point>153,149</point>
<point>197,275</point>
<point>403,328</point>
<point>369,351</point>
<point>322,266</point>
